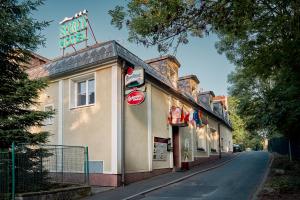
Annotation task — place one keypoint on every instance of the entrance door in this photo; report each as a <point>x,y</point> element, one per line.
<point>176,152</point>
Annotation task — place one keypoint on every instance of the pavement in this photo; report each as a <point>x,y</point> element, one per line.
<point>237,180</point>
<point>140,189</point>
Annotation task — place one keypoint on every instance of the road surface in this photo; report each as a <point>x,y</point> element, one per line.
<point>236,180</point>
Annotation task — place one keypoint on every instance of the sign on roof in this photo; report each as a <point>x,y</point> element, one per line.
<point>73,30</point>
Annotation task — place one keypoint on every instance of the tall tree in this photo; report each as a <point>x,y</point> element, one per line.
<point>20,34</point>
<point>239,130</point>
<point>260,37</point>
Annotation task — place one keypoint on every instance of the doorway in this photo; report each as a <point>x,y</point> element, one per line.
<point>176,150</point>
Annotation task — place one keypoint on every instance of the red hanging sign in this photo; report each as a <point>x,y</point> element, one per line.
<point>135,97</point>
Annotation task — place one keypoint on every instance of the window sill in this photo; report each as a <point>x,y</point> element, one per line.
<point>83,106</point>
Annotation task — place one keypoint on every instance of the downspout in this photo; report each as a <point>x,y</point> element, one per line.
<point>290,150</point>
<point>219,131</point>
<point>123,124</point>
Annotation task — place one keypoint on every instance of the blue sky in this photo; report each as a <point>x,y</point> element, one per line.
<point>199,57</point>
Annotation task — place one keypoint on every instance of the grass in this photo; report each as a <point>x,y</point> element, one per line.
<point>283,181</point>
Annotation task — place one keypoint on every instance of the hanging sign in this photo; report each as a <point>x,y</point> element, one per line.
<point>135,97</point>
<point>73,30</point>
<point>134,77</point>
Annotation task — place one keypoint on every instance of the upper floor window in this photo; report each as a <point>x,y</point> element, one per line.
<point>85,92</point>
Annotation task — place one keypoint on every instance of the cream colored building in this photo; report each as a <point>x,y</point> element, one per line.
<point>128,142</point>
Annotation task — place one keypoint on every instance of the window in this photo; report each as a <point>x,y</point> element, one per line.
<point>49,120</point>
<point>85,92</point>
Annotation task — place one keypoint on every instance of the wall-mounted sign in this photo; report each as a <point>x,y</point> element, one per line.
<point>73,30</point>
<point>135,97</point>
<point>160,148</point>
<point>134,77</point>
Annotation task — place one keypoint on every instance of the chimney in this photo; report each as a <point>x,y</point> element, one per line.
<point>167,66</point>
<point>206,98</point>
<point>189,84</point>
<point>223,99</point>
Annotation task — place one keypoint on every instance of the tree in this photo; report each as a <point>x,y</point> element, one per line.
<point>239,130</point>
<point>260,37</point>
<point>20,34</point>
<point>240,134</point>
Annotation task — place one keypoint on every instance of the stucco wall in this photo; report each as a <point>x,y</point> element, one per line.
<point>226,134</point>
<point>214,135</point>
<point>136,142</point>
<point>50,97</point>
<point>91,125</point>
<point>201,141</point>
<point>160,111</point>
<point>84,126</point>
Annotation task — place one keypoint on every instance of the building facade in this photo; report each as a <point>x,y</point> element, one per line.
<point>170,126</point>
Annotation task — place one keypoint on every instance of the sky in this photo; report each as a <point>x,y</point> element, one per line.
<point>199,57</point>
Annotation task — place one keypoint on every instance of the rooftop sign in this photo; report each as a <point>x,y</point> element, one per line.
<point>73,30</point>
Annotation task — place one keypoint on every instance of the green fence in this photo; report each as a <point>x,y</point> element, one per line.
<point>5,175</point>
<point>27,168</point>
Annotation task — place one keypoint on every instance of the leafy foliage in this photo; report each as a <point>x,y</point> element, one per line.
<point>260,37</point>
<point>240,134</point>
<point>162,23</point>
<point>20,34</point>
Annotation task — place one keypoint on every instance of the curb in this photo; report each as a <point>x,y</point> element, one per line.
<point>180,179</point>
<point>259,188</point>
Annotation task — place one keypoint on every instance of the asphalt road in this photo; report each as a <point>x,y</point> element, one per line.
<point>236,180</point>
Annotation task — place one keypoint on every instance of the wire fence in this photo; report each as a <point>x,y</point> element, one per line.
<point>27,168</point>
<point>5,175</point>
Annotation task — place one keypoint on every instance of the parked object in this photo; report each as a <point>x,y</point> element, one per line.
<point>237,148</point>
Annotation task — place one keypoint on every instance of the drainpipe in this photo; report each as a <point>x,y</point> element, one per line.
<point>290,150</point>
<point>219,131</point>
<point>123,124</point>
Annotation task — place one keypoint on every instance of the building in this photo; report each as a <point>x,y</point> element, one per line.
<point>170,126</point>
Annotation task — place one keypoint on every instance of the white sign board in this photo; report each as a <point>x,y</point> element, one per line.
<point>134,77</point>
<point>160,151</point>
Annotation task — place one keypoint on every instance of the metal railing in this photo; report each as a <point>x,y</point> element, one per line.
<point>31,168</point>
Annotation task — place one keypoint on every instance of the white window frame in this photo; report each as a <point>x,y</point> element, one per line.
<point>86,91</point>
<point>49,120</point>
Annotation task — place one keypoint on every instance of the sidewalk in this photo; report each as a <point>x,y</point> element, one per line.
<point>138,188</point>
